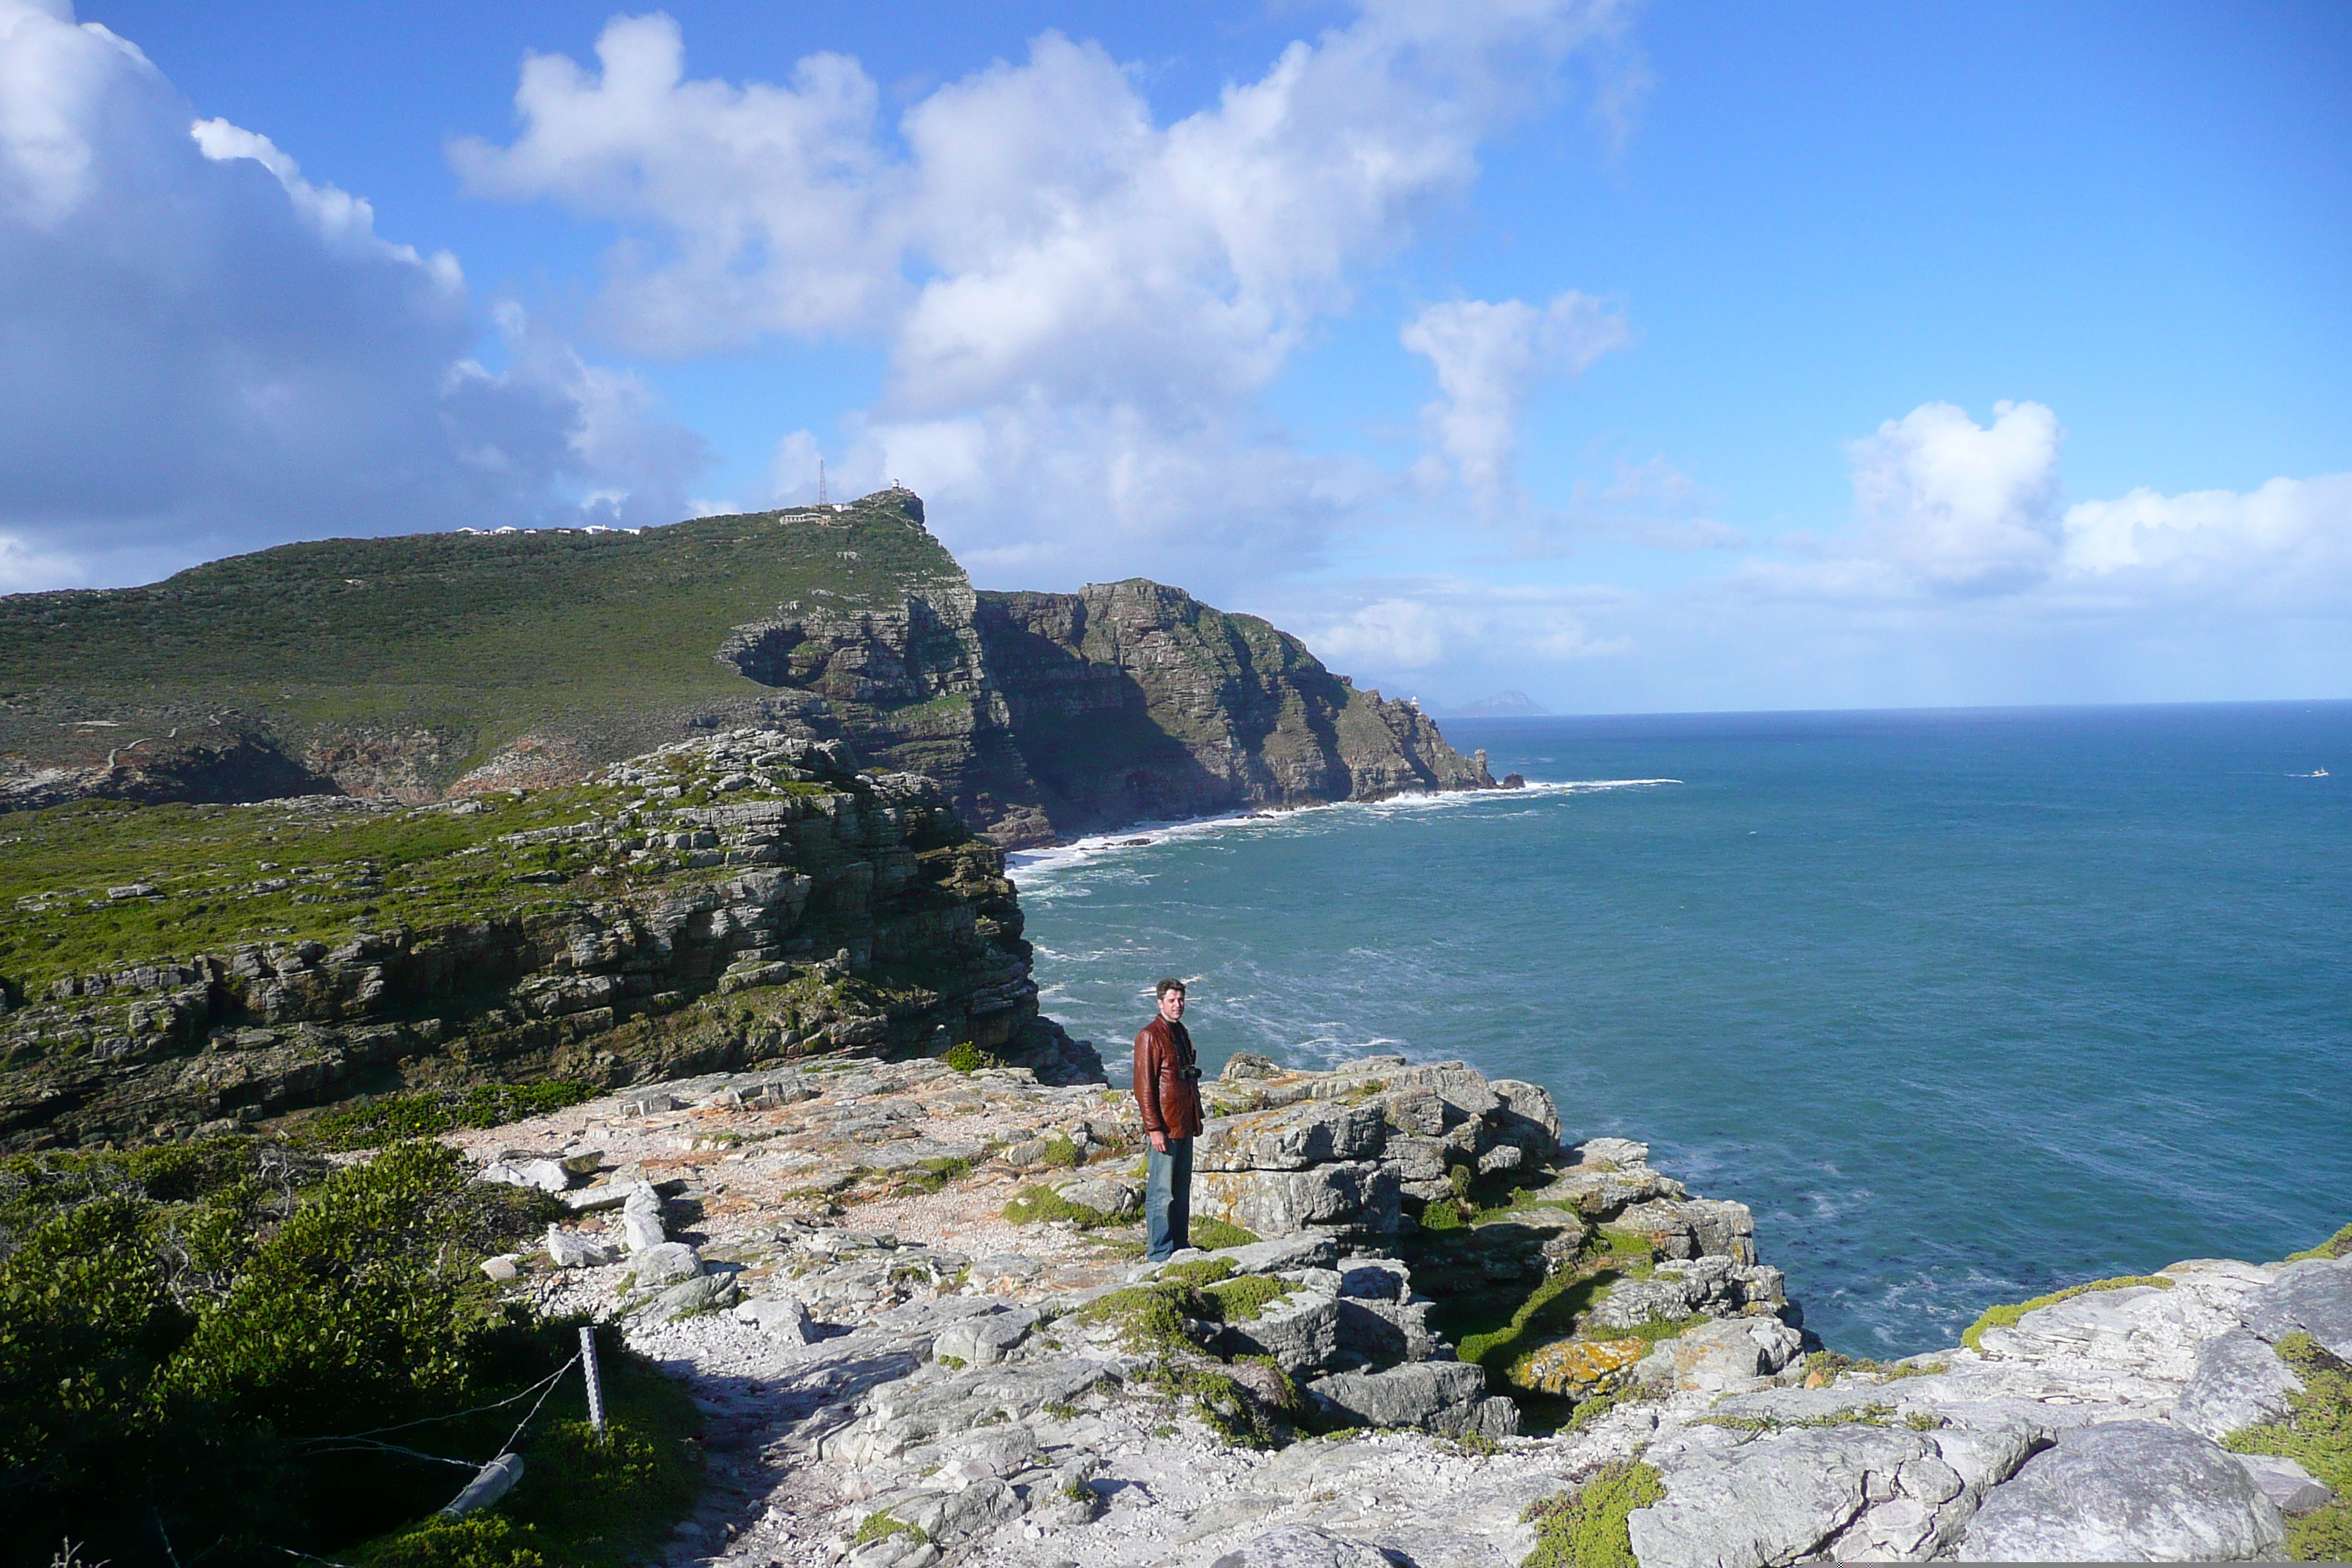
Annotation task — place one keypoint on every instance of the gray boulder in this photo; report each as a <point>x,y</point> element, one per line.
<point>703,1293</point>
<point>2239,1381</point>
<point>1107,1196</point>
<point>781,1318</point>
<point>1350,1197</point>
<point>1437,1396</point>
<point>2126,1491</point>
<point>666,1264</point>
<point>1384,1332</point>
<point>985,1340</point>
<point>1693,1227</point>
<point>2286,1483</point>
<point>2314,1296</point>
<point>950,1517</point>
<point>575,1249</point>
<point>1292,1138</point>
<point>545,1175</point>
<point>1300,1331</point>
<point>1727,1354</point>
<point>1280,1254</point>
<point>1303,1546</point>
<point>640,1232</point>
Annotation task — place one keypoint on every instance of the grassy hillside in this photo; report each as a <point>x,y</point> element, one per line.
<point>478,637</point>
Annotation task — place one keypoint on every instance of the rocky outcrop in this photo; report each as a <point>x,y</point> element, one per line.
<point>710,905</point>
<point>450,663</point>
<point>910,1374</point>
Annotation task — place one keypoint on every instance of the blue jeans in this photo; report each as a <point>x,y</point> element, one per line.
<point>1168,1199</point>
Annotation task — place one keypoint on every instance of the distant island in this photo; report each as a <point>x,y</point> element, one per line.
<point>1501,705</point>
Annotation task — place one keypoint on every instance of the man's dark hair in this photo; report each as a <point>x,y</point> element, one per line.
<point>1165,987</point>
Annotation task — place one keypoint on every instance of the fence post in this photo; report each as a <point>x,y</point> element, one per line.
<point>596,1381</point>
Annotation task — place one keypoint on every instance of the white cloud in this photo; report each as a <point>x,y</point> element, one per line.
<point>1456,624</point>
<point>1081,304</point>
<point>1959,507</point>
<point>1387,635</point>
<point>2289,540</point>
<point>1489,357</point>
<point>208,351</point>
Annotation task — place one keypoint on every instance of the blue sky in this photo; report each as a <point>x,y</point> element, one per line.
<point>1636,357</point>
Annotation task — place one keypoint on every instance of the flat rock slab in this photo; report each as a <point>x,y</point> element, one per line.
<point>1786,1496</point>
<point>2239,1381</point>
<point>2137,1491</point>
<point>1303,1546</point>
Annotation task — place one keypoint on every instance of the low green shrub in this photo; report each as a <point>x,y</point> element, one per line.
<point>199,1343</point>
<point>1215,1234</point>
<point>965,1057</point>
<point>2317,1434</point>
<point>1063,1153</point>
<point>1586,1528</point>
<point>389,1119</point>
<point>2337,1246</point>
<point>1038,1204</point>
<point>477,1540</point>
<point>1246,1299</point>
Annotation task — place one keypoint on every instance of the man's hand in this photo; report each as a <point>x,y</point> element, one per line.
<point>1159,1142</point>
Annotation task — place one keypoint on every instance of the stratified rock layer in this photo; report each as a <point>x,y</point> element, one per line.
<point>716,903</point>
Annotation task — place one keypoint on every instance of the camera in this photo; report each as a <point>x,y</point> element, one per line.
<point>1188,1073</point>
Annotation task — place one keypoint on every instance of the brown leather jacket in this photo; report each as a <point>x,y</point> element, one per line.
<point>1169,1104</point>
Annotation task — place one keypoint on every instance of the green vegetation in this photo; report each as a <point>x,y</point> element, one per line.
<point>1828,1364</point>
<point>1852,1416</point>
<point>933,1175</point>
<point>1151,1316</point>
<point>1039,1204</point>
<point>392,1118</point>
<point>1063,1153</point>
<point>239,1326</point>
<point>473,639</point>
<point>2002,1317</point>
<point>2337,1246</point>
<point>1213,1235</point>
<point>1201,1271</point>
<point>883,1525</point>
<point>965,1057</point>
<point>1226,1406</point>
<point>2317,1434</point>
<point>1586,1528</point>
<point>1246,1299</point>
<point>1557,1302</point>
<point>280,873</point>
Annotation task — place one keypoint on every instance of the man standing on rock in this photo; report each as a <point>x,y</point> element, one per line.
<point>1167,1090</point>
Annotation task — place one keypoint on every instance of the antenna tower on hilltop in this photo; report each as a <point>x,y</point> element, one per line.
<point>819,481</point>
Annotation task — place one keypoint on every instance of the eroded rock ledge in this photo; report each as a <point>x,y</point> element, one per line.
<point>900,1372</point>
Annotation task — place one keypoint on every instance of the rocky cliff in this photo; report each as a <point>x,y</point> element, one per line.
<point>167,970</point>
<point>413,670</point>
<point>909,1300</point>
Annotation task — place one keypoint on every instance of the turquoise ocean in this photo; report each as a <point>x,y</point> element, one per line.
<point>1965,1004</point>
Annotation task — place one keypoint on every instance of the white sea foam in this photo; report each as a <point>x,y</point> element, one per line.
<point>1036,868</point>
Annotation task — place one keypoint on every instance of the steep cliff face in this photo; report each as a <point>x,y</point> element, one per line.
<point>1049,715</point>
<point>413,670</point>
<point>718,903</point>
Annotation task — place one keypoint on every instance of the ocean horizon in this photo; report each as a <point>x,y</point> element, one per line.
<point>1967,1004</point>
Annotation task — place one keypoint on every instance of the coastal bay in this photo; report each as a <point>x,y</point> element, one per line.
<point>1966,1005</point>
